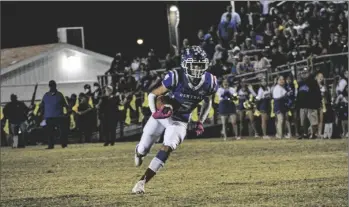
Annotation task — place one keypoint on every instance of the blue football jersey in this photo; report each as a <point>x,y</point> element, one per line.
<point>186,96</point>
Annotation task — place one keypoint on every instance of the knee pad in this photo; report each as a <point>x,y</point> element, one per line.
<point>172,138</point>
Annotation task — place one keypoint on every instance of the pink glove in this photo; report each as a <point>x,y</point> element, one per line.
<point>199,129</point>
<point>164,112</point>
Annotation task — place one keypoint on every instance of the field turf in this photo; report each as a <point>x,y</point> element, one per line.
<point>202,172</point>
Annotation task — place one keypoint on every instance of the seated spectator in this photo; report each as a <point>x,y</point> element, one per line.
<point>219,55</point>
<point>153,60</point>
<point>135,64</point>
<point>277,58</point>
<point>248,45</point>
<point>262,62</point>
<point>245,66</point>
<point>226,30</point>
<point>208,46</point>
<point>294,56</point>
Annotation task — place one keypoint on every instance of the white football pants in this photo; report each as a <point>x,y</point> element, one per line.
<point>175,132</point>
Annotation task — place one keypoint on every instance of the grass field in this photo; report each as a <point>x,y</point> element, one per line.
<point>206,172</point>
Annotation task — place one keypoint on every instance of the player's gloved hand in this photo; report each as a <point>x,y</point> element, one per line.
<point>199,128</point>
<point>164,112</point>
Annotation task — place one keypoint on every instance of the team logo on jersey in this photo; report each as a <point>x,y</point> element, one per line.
<point>202,92</point>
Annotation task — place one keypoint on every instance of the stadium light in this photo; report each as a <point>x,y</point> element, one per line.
<point>173,9</point>
<point>140,41</point>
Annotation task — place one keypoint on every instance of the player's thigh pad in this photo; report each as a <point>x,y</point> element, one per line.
<point>151,132</point>
<point>175,134</point>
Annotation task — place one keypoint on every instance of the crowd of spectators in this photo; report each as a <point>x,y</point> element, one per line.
<point>256,36</point>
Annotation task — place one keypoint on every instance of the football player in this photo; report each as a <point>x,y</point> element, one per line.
<point>186,88</point>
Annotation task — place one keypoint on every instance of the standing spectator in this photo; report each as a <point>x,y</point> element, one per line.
<point>235,17</point>
<point>169,63</point>
<point>227,109</point>
<point>263,105</point>
<point>97,93</point>
<point>208,46</point>
<point>51,106</point>
<point>226,30</point>
<point>108,114</point>
<point>308,102</point>
<point>16,113</point>
<point>201,35</point>
<point>117,68</point>
<point>185,44</point>
<point>85,118</point>
<point>153,60</point>
<point>279,96</point>
<point>213,32</point>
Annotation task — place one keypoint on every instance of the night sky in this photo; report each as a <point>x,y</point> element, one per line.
<point>109,26</point>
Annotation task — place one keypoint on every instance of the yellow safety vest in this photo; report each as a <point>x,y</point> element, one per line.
<point>133,102</point>
<point>145,102</point>
<point>7,125</point>
<point>140,115</point>
<point>194,115</point>
<point>128,117</point>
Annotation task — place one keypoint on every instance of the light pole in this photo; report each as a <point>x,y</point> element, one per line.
<point>173,22</point>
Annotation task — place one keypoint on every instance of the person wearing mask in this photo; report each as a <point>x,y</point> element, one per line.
<point>108,114</point>
<point>279,96</point>
<point>308,102</point>
<point>96,94</point>
<point>16,113</point>
<point>263,105</point>
<point>245,95</point>
<point>51,107</point>
<point>227,108</point>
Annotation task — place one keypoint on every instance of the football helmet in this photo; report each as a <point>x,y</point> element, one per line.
<point>194,61</point>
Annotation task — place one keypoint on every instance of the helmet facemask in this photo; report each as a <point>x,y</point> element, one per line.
<point>195,69</point>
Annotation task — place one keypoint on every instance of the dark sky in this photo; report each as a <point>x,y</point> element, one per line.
<point>109,26</point>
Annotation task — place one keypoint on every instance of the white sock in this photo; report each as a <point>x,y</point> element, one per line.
<point>156,164</point>
<point>15,141</point>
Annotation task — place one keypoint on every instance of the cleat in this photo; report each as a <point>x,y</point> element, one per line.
<point>256,136</point>
<point>288,136</point>
<point>266,137</point>
<point>138,158</point>
<point>238,138</point>
<point>139,187</point>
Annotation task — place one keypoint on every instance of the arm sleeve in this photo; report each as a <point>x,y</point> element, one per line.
<point>260,94</point>
<point>170,80</point>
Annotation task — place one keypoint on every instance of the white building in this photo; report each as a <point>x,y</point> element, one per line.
<point>70,66</point>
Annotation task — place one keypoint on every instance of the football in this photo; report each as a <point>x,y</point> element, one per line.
<point>162,100</point>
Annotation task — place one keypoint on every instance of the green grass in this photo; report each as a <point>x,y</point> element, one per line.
<point>206,172</point>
